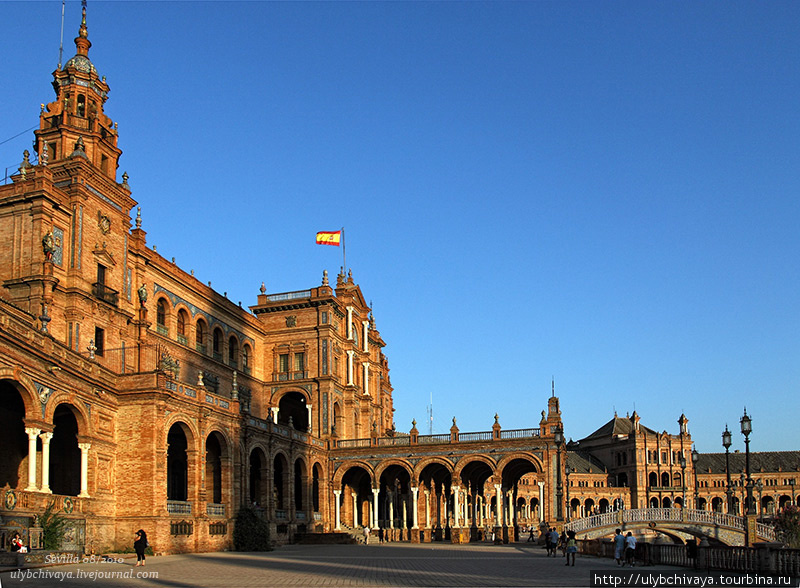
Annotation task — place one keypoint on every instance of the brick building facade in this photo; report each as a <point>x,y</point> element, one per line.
<point>132,395</point>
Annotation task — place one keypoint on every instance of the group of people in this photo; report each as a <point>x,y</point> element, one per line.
<point>624,548</point>
<point>17,545</point>
<point>566,541</point>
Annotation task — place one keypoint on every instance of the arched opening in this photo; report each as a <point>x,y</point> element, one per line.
<point>395,503</point>
<point>603,505</point>
<point>300,485</point>
<point>183,320</point>
<point>735,506</point>
<point>665,479</point>
<point>279,485</point>
<point>701,503</point>
<point>65,456</point>
<point>177,464</point>
<point>588,507</point>
<point>622,480</point>
<point>200,332</point>
<point>474,477</point>
<point>768,505</point>
<point>666,502</point>
<point>257,478</point>
<point>783,501</point>
<point>435,482</point>
<point>214,451</point>
<point>161,316</point>
<point>652,479</point>
<point>716,504</point>
<point>574,508</point>
<point>676,480</point>
<point>678,502</point>
<point>246,353</point>
<point>654,502</point>
<point>338,421</point>
<point>293,411</point>
<point>13,438</point>
<point>356,494</point>
<point>233,352</point>
<point>217,344</point>
<point>315,487</point>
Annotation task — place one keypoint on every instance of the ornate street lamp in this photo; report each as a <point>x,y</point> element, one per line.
<point>695,458</point>
<point>747,428</point>
<point>558,437</point>
<point>682,462</point>
<point>791,484</point>
<point>567,472</point>
<point>726,443</point>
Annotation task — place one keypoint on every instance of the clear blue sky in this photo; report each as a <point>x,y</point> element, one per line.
<point>604,193</point>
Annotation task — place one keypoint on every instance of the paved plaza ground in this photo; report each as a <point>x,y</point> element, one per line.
<point>333,565</point>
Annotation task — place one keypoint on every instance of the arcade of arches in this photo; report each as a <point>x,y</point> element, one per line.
<point>133,395</point>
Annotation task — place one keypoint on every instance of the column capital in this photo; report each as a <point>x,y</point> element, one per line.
<point>337,492</point>
<point>541,484</point>
<point>32,432</point>
<point>84,446</point>
<point>46,437</point>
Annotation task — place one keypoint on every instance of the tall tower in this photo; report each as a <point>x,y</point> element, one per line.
<point>66,220</point>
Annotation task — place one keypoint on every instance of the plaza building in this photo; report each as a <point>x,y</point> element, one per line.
<point>134,396</point>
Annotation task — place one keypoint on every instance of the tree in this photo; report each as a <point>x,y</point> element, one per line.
<point>787,525</point>
<point>251,532</point>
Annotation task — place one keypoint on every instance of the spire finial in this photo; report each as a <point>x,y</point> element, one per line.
<point>138,217</point>
<point>324,277</point>
<point>82,42</point>
<point>553,387</point>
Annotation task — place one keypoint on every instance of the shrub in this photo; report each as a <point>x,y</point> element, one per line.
<point>787,524</point>
<point>54,526</point>
<point>251,532</point>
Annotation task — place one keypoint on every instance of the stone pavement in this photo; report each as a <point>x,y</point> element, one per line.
<point>395,564</point>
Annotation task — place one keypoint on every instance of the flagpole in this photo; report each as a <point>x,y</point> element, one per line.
<point>344,254</point>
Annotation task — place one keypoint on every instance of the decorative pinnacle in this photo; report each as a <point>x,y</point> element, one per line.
<point>263,288</point>
<point>138,216</point>
<point>324,277</point>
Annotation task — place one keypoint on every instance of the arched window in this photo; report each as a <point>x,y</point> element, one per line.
<point>233,352</point>
<point>200,336</point>
<point>246,358</point>
<point>161,316</point>
<point>217,345</point>
<point>182,319</point>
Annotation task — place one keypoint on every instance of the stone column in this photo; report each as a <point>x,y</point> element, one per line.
<point>84,447</point>
<point>498,506</point>
<point>404,502</point>
<point>375,512</point>
<point>355,509</point>
<point>456,509</point>
<point>541,501</point>
<point>427,509</point>
<point>32,434</point>
<point>274,411</point>
<point>415,503</point>
<point>46,438</point>
<point>310,422</point>
<point>390,500</point>
<point>337,509</point>
<point>365,367</point>
<point>350,354</point>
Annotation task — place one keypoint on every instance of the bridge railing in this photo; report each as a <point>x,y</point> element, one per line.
<point>646,515</point>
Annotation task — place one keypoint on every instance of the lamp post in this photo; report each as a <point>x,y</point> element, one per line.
<point>791,484</point>
<point>760,488</point>
<point>747,428</point>
<point>726,443</point>
<point>567,472</point>
<point>558,437</point>
<point>682,461</point>
<point>695,459</point>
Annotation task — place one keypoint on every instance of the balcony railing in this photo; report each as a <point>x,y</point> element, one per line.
<point>215,510</point>
<point>179,507</point>
<point>105,293</point>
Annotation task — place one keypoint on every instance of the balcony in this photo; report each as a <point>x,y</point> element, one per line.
<point>179,507</point>
<point>105,293</point>
<point>215,510</point>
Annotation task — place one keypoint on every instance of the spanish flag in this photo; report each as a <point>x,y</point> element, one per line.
<point>329,238</point>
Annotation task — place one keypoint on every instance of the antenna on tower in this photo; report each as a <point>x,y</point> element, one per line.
<point>430,416</point>
<point>61,44</point>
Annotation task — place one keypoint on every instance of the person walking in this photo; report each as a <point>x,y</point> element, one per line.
<point>366,534</point>
<point>619,546</point>
<point>572,547</point>
<point>630,548</point>
<point>139,545</point>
